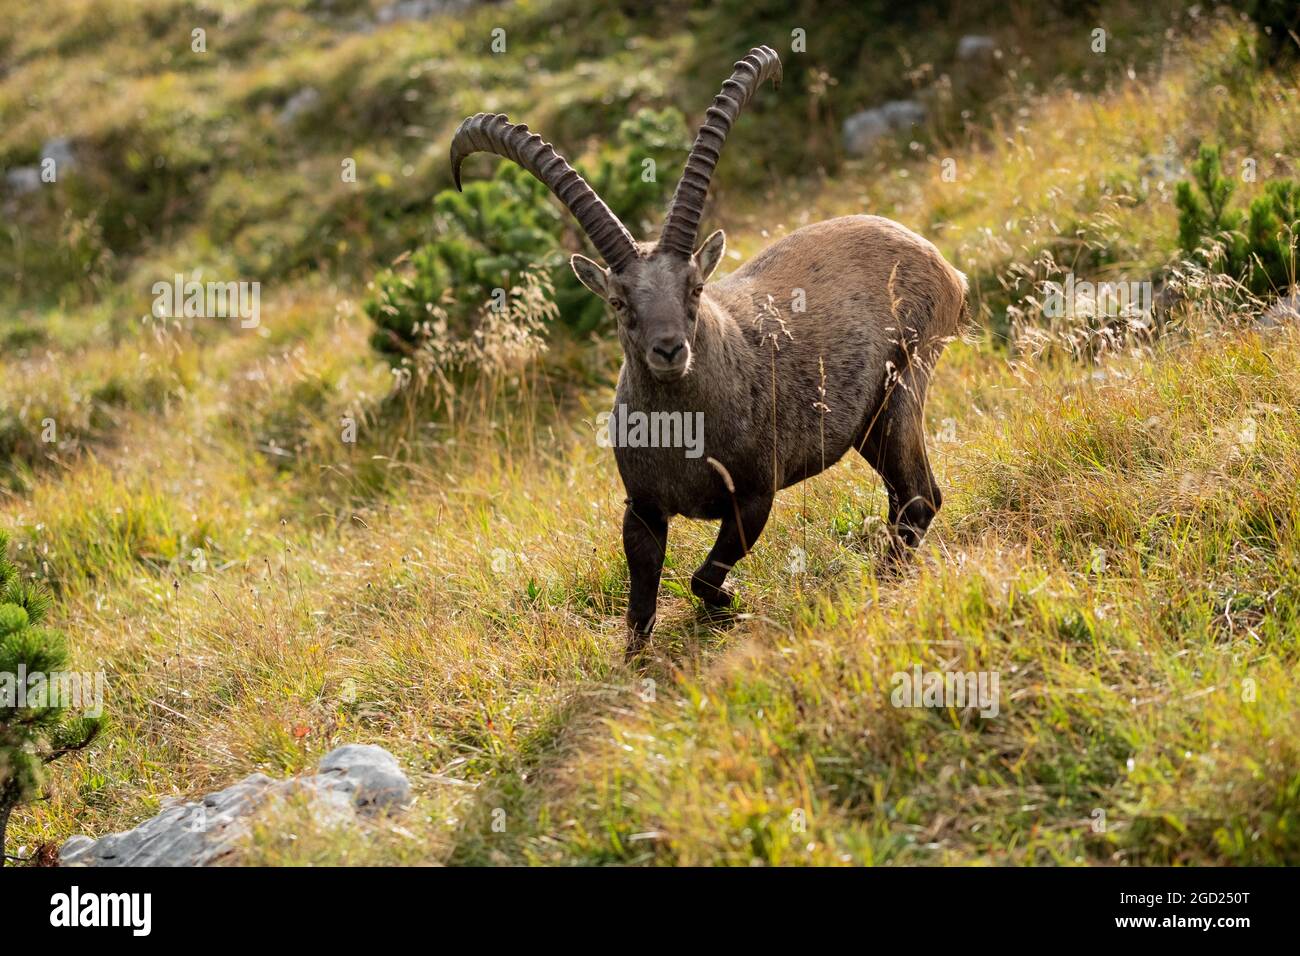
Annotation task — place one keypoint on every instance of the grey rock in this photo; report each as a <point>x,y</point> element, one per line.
<point>1286,309</point>
<point>23,180</point>
<point>419,9</point>
<point>59,149</point>
<point>352,779</point>
<point>369,774</point>
<point>300,104</point>
<point>332,808</point>
<point>864,129</point>
<point>976,47</point>
<point>76,844</point>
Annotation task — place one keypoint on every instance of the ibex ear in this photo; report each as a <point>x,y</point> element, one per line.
<point>591,274</point>
<point>709,255</point>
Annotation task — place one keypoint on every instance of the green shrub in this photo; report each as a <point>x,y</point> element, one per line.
<point>488,236</point>
<point>636,176</point>
<point>1272,226</point>
<point>40,730</point>
<point>1256,246</point>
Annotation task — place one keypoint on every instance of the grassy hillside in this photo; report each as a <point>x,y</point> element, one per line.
<point>1118,541</point>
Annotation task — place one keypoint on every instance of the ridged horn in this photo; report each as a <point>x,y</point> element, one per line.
<point>494,133</point>
<point>683,220</point>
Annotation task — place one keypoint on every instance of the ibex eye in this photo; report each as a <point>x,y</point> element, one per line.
<point>617,304</point>
<point>697,290</point>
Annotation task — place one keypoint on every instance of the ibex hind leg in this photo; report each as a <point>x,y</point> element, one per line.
<point>894,445</point>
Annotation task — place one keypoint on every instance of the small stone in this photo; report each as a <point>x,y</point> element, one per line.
<point>418,9</point>
<point>300,104</point>
<point>23,180</point>
<point>1285,310</point>
<point>864,129</point>
<point>976,47</point>
<point>370,774</point>
<point>59,149</point>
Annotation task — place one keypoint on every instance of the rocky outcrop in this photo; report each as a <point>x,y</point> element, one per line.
<point>351,780</point>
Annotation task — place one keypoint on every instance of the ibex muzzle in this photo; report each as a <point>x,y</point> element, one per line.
<point>822,343</point>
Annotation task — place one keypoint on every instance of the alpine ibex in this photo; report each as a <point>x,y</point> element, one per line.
<point>823,342</point>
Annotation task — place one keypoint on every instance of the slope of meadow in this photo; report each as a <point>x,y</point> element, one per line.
<point>1119,537</point>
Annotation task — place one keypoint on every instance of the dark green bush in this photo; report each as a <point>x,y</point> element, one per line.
<point>40,730</point>
<point>1256,246</point>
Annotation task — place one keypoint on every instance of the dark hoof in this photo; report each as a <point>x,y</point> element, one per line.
<point>637,642</point>
<point>718,616</point>
<point>715,598</point>
<point>896,559</point>
<point>638,637</point>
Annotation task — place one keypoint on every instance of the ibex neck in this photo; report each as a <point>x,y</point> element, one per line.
<point>717,337</point>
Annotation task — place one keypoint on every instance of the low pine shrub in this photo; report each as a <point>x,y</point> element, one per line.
<point>35,726</point>
<point>1255,246</point>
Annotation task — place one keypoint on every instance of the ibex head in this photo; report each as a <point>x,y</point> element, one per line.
<point>654,290</point>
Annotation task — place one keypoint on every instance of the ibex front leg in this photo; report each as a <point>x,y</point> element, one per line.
<point>645,541</point>
<point>736,538</point>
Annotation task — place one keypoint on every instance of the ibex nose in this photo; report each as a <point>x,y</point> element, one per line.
<point>670,352</point>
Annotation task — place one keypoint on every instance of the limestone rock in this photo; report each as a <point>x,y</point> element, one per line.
<point>370,775</point>
<point>352,779</point>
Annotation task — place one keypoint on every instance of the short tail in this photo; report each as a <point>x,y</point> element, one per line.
<point>963,314</point>
<point>958,311</point>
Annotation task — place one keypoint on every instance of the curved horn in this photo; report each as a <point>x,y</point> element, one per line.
<point>683,221</point>
<point>494,133</point>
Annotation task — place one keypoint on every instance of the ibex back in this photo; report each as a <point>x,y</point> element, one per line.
<point>823,342</point>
